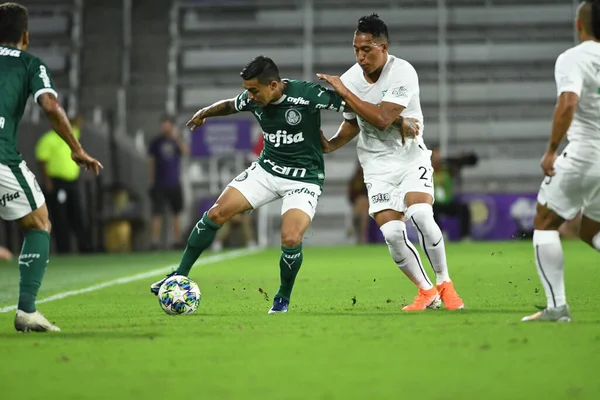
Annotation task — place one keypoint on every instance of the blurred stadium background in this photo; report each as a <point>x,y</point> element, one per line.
<point>485,68</point>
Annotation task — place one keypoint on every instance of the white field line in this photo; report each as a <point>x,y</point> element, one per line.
<point>144,275</point>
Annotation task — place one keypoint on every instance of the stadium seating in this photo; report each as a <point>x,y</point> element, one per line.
<point>500,66</point>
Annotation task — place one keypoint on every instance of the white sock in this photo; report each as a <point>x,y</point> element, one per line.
<point>550,263</point>
<point>596,241</point>
<point>404,253</point>
<point>431,238</point>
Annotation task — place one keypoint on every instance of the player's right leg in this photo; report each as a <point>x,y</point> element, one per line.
<point>407,259</point>
<point>21,200</point>
<point>229,203</point>
<point>249,190</point>
<point>385,207</point>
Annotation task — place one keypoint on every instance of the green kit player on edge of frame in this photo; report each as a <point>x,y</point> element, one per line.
<point>23,75</point>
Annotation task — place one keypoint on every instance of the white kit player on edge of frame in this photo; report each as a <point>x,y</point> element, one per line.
<point>398,171</point>
<point>572,182</point>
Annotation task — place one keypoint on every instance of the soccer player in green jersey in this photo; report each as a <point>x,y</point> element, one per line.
<point>21,199</point>
<point>290,167</point>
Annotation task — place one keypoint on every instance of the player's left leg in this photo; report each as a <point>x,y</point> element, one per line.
<point>420,211</point>
<point>560,198</point>
<point>550,263</point>
<point>298,209</point>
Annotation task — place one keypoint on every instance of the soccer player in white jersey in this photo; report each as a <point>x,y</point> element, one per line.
<point>398,171</point>
<point>572,180</point>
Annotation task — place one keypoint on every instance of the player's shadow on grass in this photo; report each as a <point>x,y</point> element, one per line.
<point>399,312</point>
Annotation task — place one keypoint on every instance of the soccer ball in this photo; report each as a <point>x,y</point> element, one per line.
<point>179,295</point>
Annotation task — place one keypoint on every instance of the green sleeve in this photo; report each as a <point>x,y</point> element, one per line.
<point>40,80</point>
<point>241,101</point>
<point>321,98</point>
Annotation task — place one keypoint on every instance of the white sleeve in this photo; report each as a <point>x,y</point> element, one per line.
<point>568,75</point>
<point>346,81</point>
<point>404,84</point>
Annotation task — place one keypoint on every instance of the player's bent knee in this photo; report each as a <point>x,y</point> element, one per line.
<point>219,214</point>
<point>393,234</point>
<point>546,219</point>
<point>290,238</point>
<point>36,221</point>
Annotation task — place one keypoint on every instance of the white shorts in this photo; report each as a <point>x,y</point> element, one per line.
<point>20,193</point>
<point>260,187</point>
<point>387,189</point>
<point>574,187</point>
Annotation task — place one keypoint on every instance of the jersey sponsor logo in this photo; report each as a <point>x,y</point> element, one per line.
<point>2,122</point>
<point>321,91</point>
<point>4,51</point>
<point>293,117</point>
<point>44,76</point>
<point>400,92</point>
<point>380,198</point>
<point>282,137</point>
<point>298,100</point>
<point>8,197</point>
<point>259,115</point>
<point>331,107</point>
<point>287,171</point>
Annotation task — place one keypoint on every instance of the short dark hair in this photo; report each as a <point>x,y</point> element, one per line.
<point>261,68</point>
<point>13,22</point>
<point>594,28</point>
<point>374,25</point>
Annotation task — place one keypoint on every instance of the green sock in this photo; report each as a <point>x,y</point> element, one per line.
<point>289,265</point>
<point>32,266</point>
<point>201,237</point>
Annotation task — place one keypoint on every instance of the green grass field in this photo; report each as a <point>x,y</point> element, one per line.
<point>344,338</point>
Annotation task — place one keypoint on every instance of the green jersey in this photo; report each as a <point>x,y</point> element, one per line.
<point>292,130</point>
<point>21,75</point>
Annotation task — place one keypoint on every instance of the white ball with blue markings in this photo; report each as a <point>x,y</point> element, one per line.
<point>179,295</point>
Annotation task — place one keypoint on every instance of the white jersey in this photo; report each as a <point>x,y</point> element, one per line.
<point>577,70</point>
<point>397,84</point>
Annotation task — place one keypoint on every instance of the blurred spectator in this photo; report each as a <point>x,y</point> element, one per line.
<point>5,254</point>
<point>244,221</point>
<point>225,236</point>
<point>60,181</point>
<point>446,203</point>
<point>358,197</point>
<point>164,161</point>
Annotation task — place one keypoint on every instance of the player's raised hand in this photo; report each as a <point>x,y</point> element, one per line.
<point>335,82</point>
<point>548,163</point>
<point>197,120</point>
<point>84,160</point>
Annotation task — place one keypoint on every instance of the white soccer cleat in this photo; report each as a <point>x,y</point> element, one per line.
<point>33,322</point>
<point>559,314</point>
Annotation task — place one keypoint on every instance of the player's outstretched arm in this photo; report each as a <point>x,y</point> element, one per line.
<point>381,116</point>
<point>563,116</point>
<point>219,109</point>
<point>61,125</point>
<point>346,132</point>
